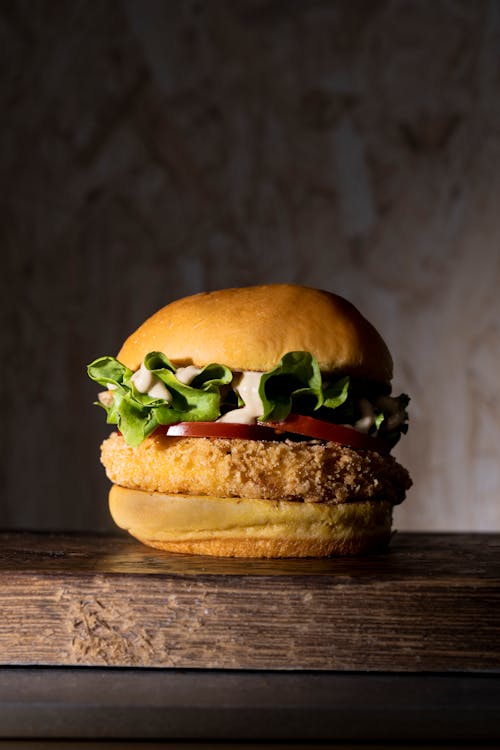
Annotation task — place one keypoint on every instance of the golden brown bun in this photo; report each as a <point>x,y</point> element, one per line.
<point>251,328</point>
<point>241,527</point>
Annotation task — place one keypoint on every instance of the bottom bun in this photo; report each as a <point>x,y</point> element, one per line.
<point>242,527</point>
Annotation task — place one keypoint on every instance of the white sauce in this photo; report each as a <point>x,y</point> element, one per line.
<point>363,424</point>
<point>143,379</point>
<point>367,416</point>
<point>106,398</point>
<point>187,374</point>
<point>160,390</point>
<point>146,382</point>
<point>247,385</point>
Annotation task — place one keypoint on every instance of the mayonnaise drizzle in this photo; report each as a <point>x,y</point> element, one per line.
<point>146,382</point>
<point>187,374</point>
<point>247,385</point>
<point>367,416</point>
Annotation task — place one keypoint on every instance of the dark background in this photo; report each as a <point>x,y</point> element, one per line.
<point>153,149</point>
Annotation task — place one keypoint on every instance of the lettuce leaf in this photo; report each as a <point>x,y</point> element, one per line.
<point>295,383</point>
<point>138,414</point>
<point>335,394</point>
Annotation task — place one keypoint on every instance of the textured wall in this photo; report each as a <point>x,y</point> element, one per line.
<point>152,149</point>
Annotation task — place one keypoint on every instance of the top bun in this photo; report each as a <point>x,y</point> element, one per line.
<point>251,328</point>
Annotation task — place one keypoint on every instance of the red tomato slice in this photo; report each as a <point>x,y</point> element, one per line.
<point>294,423</point>
<point>335,433</point>
<point>221,430</point>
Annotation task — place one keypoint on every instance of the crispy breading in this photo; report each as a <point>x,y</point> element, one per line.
<point>309,471</point>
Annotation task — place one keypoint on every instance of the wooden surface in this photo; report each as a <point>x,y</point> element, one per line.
<point>388,710</point>
<point>431,603</point>
<point>153,149</point>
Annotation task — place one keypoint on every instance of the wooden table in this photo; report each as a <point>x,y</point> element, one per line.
<point>402,646</point>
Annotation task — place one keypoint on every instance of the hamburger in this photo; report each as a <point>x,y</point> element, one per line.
<point>254,422</point>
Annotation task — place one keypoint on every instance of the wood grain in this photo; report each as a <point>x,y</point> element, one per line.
<point>430,604</point>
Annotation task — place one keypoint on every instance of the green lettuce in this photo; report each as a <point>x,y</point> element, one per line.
<point>296,384</point>
<point>137,414</point>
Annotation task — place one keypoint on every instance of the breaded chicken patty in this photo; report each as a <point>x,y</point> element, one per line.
<point>309,471</point>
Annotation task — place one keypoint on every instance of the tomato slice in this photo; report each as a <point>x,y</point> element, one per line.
<point>335,433</point>
<point>295,423</point>
<point>221,430</point>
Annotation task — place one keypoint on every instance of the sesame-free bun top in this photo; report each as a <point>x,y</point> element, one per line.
<point>251,328</point>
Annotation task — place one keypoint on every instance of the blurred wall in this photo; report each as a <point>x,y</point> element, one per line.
<point>153,149</point>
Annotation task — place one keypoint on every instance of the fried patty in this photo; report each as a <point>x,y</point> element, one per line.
<point>308,471</point>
